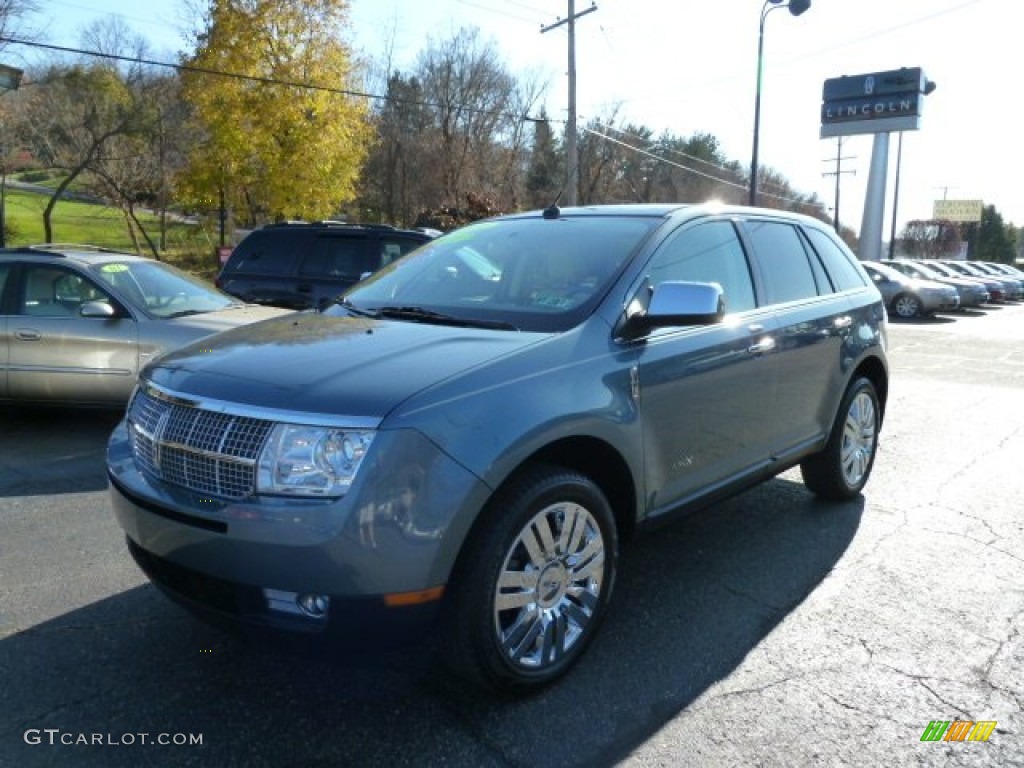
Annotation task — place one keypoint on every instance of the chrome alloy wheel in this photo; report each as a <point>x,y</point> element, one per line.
<point>907,306</point>
<point>859,438</point>
<point>549,586</point>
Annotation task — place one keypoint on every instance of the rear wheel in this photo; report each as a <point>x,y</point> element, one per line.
<point>534,581</point>
<point>841,470</point>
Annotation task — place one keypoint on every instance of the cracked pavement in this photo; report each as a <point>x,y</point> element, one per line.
<point>769,630</point>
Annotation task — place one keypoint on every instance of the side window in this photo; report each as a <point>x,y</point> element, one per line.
<point>5,270</point>
<point>845,275</point>
<point>394,248</point>
<point>707,253</point>
<point>787,272</point>
<point>340,257</point>
<point>268,252</point>
<point>55,292</point>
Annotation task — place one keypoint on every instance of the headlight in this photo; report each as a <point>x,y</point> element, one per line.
<point>311,461</point>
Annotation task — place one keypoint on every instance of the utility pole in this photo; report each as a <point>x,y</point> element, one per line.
<point>896,198</point>
<point>838,172</point>
<point>572,160</point>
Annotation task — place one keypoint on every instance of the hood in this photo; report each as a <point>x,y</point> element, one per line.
<point>329,365</point>
<point>223,319</point>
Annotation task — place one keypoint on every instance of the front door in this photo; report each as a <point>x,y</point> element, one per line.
<point>56,354</point>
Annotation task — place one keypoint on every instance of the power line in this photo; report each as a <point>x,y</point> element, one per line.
<point>660,159</point>
<point>259,79</point>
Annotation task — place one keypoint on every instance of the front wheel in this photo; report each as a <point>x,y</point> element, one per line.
<point>907,306</point>
<point>534,581</point>
<point>841,470</point>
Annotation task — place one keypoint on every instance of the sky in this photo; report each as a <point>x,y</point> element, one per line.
<point>685,67</point>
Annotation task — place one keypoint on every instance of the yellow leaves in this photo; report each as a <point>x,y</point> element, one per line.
<point>281,148</point>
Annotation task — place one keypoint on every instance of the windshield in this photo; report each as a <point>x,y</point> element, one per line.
<point>160,289</point>
<point>532,274</point>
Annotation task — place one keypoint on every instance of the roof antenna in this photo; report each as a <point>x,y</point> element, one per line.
<point>553,211</point>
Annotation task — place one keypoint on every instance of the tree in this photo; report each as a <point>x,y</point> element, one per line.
<point>474,101</point>
<point>283,132</point>
<point>931,239</point>
<point>399,177</point>
<point>546,172</point>
<point>73,114</point>
<point>13,14</point>
<point>132,169</point>
<point>991,239</point>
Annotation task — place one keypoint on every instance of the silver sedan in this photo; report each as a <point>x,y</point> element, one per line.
<point>78,323</point>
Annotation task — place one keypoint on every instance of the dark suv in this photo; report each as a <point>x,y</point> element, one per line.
<point>470,433</point>
<point>303,265</point>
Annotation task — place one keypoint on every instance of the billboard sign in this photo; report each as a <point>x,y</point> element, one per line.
<point>958,210</point>
<point>877,102</point>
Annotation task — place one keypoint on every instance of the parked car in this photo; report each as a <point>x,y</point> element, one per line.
<point>304,265</point>
<point>1007,269</point>
<point>77,322</point>
<point>996,289</point>
<point>468,435</point>
<point>970,293</point>
<point>1016,291</point>
<point>1011,288</point>
<point>909,297</point>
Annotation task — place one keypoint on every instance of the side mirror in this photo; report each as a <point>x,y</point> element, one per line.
<point>675,303</point>
<point>97,309</point>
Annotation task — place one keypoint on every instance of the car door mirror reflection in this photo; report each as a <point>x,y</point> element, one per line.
<point>676,303</point>
<point>97,309</point>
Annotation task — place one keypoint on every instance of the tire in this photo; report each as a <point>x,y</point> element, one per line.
<point>906,306</point>
<point>533,582</point>
<point>841,470</point>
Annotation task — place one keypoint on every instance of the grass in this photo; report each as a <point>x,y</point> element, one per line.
<point>189,245</point>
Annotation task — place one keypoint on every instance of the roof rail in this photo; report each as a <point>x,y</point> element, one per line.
<point>83,247</point>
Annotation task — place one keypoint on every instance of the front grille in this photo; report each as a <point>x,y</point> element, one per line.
<point>209,452</point>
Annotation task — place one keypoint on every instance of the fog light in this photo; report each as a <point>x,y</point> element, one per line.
<point>314,605</point>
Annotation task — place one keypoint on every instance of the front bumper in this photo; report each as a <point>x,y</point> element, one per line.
<point>381,563</point>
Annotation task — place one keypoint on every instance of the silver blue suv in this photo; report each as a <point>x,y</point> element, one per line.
<point>463,441</point>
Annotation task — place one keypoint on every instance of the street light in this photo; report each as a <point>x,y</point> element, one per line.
<point>796,7</point>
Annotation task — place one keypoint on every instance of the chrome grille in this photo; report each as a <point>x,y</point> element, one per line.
<point>207,451</point>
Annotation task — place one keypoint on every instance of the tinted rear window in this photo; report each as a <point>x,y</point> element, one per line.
<point>269,252</point>
<point>341,257</point>
<point>787,272</point>
<point>844,274</point>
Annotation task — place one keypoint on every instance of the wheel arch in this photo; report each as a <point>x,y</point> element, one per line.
<point>875,371</point>
<point>590,456</point>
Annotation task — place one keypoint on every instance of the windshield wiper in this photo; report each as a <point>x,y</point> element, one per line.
<point>349,306</point>
<point>187,312</point>
<point>421,315</point>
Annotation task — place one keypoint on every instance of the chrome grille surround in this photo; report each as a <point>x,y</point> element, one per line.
<point>212,452</point>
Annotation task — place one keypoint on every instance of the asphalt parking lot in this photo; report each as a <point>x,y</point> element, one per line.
<point>771,630</point>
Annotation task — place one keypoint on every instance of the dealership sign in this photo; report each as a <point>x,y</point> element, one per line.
<point>878,102</point>
<point>958,210</point>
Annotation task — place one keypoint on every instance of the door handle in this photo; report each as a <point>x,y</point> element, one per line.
<point>842,322</point>
<point>27,334</point>
<point>767,344</point>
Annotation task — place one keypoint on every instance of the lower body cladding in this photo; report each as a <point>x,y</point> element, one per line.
<point>369,566</point>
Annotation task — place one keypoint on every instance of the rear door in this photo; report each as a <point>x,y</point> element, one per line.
<point>264,268</point>
<point>6,279</point>
<point>336,261</point>
<point>814,321</point>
